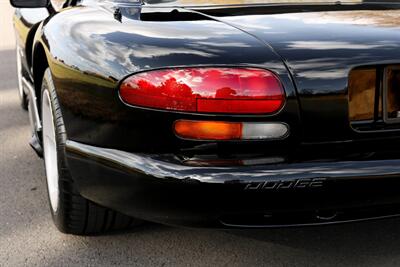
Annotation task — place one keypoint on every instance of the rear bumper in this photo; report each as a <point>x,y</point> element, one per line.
<point>159,188</point>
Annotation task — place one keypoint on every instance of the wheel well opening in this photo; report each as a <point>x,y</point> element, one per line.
<point>29,44</point>
<point>39,66</point>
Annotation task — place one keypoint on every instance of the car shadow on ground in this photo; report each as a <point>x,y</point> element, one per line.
<point>375,238</point>
<point>365,243</point>
<point>385,232</point>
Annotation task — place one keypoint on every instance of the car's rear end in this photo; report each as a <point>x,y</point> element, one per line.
<point>239,116</point>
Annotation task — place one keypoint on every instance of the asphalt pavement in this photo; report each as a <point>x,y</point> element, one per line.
<point>29,238</point>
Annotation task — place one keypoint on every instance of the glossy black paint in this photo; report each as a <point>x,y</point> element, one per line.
<point>91,47</point>
<point>29,3</point>
<point>26,21</point>
<point>160,188</point>
<point>321,49</point>
<point>115,50</point>
<point>98,50</point>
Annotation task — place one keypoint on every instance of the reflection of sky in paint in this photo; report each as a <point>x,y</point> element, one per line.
<point>325,45</point>
<point>160,167</point>
<point>34,14</point>
<point>321,45</point>
<point>235,2</point>
<point>58,4</point>
<point>132,40</point>
<point>317,45</point>
<point>385,18</point>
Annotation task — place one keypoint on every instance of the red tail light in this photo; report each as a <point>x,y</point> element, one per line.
<point>206,90</point>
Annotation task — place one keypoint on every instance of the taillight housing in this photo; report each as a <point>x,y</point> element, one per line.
<point>230,131</point>
<point>206,90</point>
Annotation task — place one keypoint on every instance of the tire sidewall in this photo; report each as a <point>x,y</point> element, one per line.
<point>60,139</point>
<point>75,214</point>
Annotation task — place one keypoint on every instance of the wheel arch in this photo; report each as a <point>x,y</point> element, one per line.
<point>39,66</point>
<point>29,44</point>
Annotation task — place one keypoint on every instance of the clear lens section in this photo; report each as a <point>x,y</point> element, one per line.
<point>263,131</point>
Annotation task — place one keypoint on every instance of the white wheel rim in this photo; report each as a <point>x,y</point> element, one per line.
<point>19,74</point>
<point>50,150</point>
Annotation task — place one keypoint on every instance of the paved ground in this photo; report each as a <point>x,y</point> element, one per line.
<point>28,237</point>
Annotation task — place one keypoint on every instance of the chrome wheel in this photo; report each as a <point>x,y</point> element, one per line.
<point>50,150</point>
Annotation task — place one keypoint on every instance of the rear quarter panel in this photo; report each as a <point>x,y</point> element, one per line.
<point>26,21</point>
<point>90,51</point>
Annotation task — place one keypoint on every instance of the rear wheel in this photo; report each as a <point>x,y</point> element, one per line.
<point>70,211</point>
<point>22,96</point>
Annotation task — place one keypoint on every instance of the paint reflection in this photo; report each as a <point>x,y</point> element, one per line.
<point>162,166</point>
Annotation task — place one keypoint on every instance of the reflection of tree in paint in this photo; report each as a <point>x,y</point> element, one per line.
<point>388,18</point>
<point>225,92</point>
<point>170,87</point>
<point>173,88</point>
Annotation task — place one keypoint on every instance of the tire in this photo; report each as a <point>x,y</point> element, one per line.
<point>71,212</point>
<point>22,96</point>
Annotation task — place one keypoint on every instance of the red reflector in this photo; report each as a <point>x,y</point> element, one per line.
<point>207,90</point>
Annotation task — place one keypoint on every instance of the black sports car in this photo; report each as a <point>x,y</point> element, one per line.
<point>217,114</point>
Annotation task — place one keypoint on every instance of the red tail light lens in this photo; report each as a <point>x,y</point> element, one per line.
<point>206,90</point>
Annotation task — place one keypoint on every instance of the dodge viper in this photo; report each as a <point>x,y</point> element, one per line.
<point>221,114</point>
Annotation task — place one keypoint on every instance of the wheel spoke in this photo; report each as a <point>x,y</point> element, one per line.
<point>50,150</point>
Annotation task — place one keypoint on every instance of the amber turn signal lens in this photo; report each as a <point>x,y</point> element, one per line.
<point>219,130</point>
<point>208,130</point>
